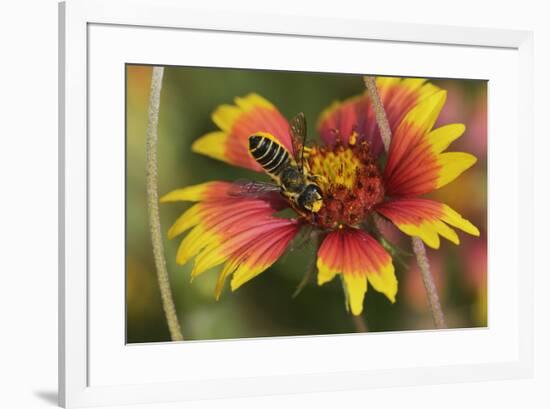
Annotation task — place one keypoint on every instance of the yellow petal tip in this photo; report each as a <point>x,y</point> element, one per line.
<point>357,313</point>
<point>171,234</point>
<point>212,144</point>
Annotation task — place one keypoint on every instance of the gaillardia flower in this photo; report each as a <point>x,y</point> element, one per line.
<point>358,180</point>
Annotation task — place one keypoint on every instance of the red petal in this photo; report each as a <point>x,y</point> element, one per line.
<point>356,114</point>
<point>416,162</point>
<point>238,231</point>
<point>249,115</point>
<point>359,258</point>
<point>426,219</point>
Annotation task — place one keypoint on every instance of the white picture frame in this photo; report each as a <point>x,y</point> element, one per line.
<point>78,20</point>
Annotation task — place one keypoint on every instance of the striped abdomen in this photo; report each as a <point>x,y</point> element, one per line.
<point>269,153</point>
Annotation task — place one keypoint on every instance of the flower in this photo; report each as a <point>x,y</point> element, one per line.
<point>246,236</point>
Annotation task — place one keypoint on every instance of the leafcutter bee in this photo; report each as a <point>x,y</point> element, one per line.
<point>291,178</point>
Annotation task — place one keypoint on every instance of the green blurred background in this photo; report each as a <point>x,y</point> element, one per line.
<point>264,306</point>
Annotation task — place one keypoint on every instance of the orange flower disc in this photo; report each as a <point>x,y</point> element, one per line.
<point>351,182</point>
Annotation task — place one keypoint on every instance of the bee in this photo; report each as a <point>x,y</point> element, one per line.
<point>288,173</point>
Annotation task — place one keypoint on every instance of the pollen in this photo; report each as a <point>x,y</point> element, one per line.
<point>351,183</point>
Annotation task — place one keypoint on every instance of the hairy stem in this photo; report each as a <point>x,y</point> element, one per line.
<point>153,207</point>
<point>379,112</point>
<point>417,244</point>
<point>429,283</point>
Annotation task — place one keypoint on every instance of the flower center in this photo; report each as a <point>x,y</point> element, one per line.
<point>351,183</point>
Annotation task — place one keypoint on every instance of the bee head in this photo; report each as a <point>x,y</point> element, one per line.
<point>311,199</point>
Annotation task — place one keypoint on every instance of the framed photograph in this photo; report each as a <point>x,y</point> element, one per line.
<point>256,205</point>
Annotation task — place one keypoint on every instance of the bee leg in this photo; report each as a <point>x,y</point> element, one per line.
<point>318,178</point>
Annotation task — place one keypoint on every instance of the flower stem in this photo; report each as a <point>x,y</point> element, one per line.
<point>379,112</point>
<point>417,244</point>
<point>153,208</point>
<point>429,283</point>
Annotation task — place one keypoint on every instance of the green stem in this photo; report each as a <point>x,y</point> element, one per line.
<point>314,240</point>
<point>417,244</point>
<point>153,207</point>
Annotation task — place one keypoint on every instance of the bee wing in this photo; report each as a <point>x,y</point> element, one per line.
<point>298,133</point>
<point>255,189</point>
